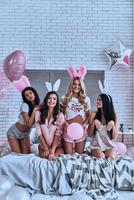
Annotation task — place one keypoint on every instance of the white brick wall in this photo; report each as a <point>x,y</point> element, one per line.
<point>119,85</point>
<point>54,34</point>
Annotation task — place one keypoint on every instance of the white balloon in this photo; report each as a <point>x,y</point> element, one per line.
<point>17,193</point>
<point>5,184</point>
<point>80,196</point>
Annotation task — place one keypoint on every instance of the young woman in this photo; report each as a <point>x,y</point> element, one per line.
<point>103,128</point>
<point>18,133</point>
<point>75,106</point>
<point>49,125</point>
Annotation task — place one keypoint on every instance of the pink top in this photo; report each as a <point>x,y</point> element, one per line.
<point>49,130</point>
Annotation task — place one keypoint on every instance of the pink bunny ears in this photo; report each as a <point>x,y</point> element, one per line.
<point>80,73</point>
<point>22,83</point>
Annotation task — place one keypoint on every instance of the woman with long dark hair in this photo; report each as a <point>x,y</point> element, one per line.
<point>49,125</point>
<point>18,133</point>
<point>103,128</point>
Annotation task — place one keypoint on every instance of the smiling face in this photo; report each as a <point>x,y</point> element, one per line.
<point>99,103</point>
<point>52,101</point>
<point>29,95</point>
<point>76,87</point>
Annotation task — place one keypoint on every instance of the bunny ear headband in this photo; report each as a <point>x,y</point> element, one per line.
<point>22,83</point>
<point>80,73</point>
<point>103,90</point>
<point>53,87</point>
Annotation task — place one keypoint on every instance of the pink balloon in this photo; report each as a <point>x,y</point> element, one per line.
<point>75,131</point>
<point>14,65</point>
<point>121,148</point>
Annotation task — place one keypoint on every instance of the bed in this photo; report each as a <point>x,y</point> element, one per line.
<point>69,174</point>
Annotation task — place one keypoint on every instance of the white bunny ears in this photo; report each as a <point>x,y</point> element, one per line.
<point>53,87</point>
<point>80,73</point>
<point>103,90</point>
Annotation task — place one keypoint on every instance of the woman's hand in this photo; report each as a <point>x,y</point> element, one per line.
<point>43,153</point>
<point>22,127</point>
<point>51,156</point>
<point>36,108</point>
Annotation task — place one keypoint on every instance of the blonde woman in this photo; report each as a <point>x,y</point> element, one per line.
<point>75,107</point>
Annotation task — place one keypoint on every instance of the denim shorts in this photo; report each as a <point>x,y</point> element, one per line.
<point>14,132</point>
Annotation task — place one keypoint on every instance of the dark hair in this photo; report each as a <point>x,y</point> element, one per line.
<point>108,110</point>
<point>44,108</point>
<point>36,101</point>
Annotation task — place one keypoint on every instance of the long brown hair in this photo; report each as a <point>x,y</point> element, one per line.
<point>44,108</point>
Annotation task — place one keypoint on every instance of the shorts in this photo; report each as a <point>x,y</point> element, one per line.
<point>68,139</point>
<point>16,133</point>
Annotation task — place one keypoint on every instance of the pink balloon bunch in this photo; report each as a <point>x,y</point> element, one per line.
<point>75,131</point>
<point>14,65</point>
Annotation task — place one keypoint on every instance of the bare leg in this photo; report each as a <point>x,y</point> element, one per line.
<point>111,153</point>
<point>97,153</point>
<point>59,151</point>
<point>79,147</point>
<point>25,145</point>
<point>14,144</point>
<point>40,151</point>
<point>68,147</point>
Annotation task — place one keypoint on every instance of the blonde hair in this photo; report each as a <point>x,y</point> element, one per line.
<point>69,95</point>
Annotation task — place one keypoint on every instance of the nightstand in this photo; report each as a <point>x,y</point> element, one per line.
<point>127,137</point>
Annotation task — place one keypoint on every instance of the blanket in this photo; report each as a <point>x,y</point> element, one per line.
<point>68,174</point>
